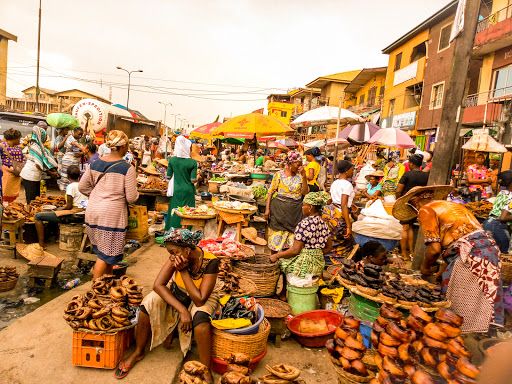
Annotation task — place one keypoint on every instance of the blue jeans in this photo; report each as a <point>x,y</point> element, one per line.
<point>499,232</point>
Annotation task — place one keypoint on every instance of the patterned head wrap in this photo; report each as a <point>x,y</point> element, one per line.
<point>183,237</point>
<point>38,152</point>
<point>116,138</point>
<point>293,156</point>
<point>317,198</point>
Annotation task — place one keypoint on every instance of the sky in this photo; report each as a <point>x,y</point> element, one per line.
<point>207,58</point>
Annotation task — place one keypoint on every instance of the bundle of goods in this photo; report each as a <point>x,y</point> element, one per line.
<point>238,308</point>
<point>193,372</point>
<point>420,347</point>
<point>17,210</point>
<point>480,208</point>
<point>238,370</point>
<point>368,278</point>
<point>233,206</point>
<point>202,210</point>
<point>109,305</point>
<point>154,183</point>
<point>280,374</point>
<point>229,248</point>
<point>8,278</point>
<point>409,291</point>
<point>347,350</point>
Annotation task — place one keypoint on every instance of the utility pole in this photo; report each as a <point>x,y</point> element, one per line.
<point>165,126</point>
<point>38,56</point>
<point>452,110</point>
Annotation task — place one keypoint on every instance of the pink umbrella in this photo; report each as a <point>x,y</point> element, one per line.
<point>392,137</point>
<point>359,133</point>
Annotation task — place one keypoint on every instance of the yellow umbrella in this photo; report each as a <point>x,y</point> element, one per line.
<point>250,125</point>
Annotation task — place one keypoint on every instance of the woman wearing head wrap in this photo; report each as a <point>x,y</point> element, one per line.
<point>11,152</point>
<point>284,202</point>
<point>39,160</point>
<point>393,172</point>
<point>182,299</point>
<point>110,182</point>
<point>305,259</point>
<point>337,214</point>
<point>182,172</point>
<point>72,156</point>
<point>313,156</point>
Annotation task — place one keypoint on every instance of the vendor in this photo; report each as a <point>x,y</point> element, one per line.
<point>501,214</point>
<point>305,259</point>
<point>393,172</point>
<point>284,203</point>
<point>373,189</point>
<point>260,160</point>
<point>72,156</point>
<point>183,299</point>
<point>75,202</point>
<point>241,156</point>
<point>479,177</point>
<point>372,252</point>
<point>313,157</point>
<point>472,280</point>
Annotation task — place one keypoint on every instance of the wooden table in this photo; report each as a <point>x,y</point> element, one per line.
<point>197,223</point>
<point>45,268</point>
<point>15,228</point>
<point>243,223</point>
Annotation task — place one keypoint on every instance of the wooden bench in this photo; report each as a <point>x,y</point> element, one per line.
<point>44,268</point>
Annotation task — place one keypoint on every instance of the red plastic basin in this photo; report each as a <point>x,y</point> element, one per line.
<point>315,340</point>
<point>220,366</point>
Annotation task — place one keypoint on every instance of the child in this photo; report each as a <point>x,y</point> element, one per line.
<point>372,252</point>
<point>75,202</point>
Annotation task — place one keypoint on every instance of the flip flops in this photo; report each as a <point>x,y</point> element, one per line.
<point>122,372</point>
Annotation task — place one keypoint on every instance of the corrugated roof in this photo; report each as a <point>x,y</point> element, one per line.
<point>48,91</point>
<point>341,77</point>
<point>8,35</point>
<point>363,77</point>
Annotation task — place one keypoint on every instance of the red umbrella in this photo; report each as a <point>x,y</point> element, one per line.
<point>204,131</point>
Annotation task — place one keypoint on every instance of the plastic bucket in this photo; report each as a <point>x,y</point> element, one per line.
<point>302,299</point>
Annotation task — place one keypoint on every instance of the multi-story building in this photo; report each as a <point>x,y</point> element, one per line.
<point>365,93</point>
<point>281,107</point>
<point>49,100</point>
<point>4,43</point>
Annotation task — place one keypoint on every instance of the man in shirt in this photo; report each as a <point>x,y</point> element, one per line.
<point>413,178</point>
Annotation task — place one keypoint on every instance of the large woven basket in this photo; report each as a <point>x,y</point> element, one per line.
<point>345,377</point>
<point>254,345</point>
<point>8,285</point>
<point>261,271</point>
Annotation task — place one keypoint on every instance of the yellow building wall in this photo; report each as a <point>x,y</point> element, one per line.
<point>3,70</point>
<point>275,108</point>
<point>333,91</point>
<point>377,81</point>
<point>485,78</point>
<point>499,4</point>
<point>398,92</point>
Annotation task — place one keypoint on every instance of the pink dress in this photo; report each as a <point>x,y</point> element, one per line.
<point>479,172</point>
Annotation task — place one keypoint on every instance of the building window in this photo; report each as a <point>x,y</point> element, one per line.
<point>372,94</point>
<point>418,52</point>
<point>502,82</point>
<point>398,61</point>
<point>444,38</point>
<point>436,96</point>
<point>381,92</point>
<point>413,95</point>
<point>283,114</point>
<point>391,108</point>
<point>361,99</point>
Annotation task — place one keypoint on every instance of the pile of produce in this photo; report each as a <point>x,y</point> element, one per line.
<point>407,292</point>
<point>201,210</point>
<point>281,374</point>
<point>229,281</point>
<point>109,305</point>
<point>235,205</point>
<point>409,348</point>
<point>193,372</point>
<point>259,191</point>
<point>218,179</point>
<point>347,348</point>
<point>154,182</point>
<point>366,276</point>
<point>226,248</point>
<point>8,273</point>
<point>17,210</point>
<point>480,208</point>
<point>238,370</point>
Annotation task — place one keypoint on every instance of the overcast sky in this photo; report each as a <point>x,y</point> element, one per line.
<point>192,51</point>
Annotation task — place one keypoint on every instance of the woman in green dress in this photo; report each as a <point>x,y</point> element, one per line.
<point>182,172</point>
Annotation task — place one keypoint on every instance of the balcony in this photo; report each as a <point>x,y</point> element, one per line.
<point>494,32</point>
<point>309,104</point>
<point>485,107</point>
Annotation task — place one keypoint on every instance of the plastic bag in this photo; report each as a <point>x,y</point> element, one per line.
<point>62,120</point>
<point>170,187</point>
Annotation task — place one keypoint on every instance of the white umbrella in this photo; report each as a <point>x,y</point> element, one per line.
<point>329,142</point>
<point>482,142</point>
<point>326,115</point>
<point>392,137</point>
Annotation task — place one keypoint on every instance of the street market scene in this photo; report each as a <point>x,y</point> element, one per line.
<point>174,209</point>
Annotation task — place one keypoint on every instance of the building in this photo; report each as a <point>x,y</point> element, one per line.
<point>50,101</point>
<point>4,45</point>
<point>332,88</point>
<point>281,107</point>
<point>365,93</point>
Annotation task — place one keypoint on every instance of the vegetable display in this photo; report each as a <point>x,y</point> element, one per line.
<point>218,179</point>
<point>259,191</point>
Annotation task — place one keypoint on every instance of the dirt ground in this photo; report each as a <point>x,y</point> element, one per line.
<point>36,348</point>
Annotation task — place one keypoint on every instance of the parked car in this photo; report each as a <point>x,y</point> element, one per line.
<point>20,121</point>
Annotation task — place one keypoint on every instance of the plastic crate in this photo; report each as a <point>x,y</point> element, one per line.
<point>103,350</point>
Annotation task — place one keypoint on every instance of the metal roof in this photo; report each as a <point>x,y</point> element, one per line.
<point>8,35</point>
<point>363,77</point>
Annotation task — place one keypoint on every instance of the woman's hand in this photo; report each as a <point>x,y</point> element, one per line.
<point>274,258</point>
<point>267,214</point>
<point>348,233</point>
<point>180,263</point>
<point>185,321</point>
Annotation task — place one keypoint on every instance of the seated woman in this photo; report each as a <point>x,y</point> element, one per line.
<point>501,214</point>
<point>305,258</point>
<point>185,305</point>
<point>373,189</point>
<point>372,252</point>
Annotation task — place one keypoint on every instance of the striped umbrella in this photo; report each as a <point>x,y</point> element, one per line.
<point>359,133</point>
<point>392,137</point>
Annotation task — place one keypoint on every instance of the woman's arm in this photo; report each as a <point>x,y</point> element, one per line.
<point>160,286</point>
<point>85,185</point>
<point>273,188</point>
<point>473,180</point>
<point>346,215</point>
<point>130,186</point>
<point>310,174</point>
<point>505,216</point>
<point>199,296</point>
<point>289,253</point>
<point>432,252</point>
<point>305,187</point>
<point>376,195</point>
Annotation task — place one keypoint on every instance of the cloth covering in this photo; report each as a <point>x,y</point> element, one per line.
<point>307,262</point>
<point>231,218</point>
<point>39,154</point>
<point>182,147</point>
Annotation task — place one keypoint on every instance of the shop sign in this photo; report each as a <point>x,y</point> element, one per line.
<point>407,73</point>
<point>404,120</point>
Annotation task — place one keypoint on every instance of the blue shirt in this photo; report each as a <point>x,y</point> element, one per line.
<point>371,190</point>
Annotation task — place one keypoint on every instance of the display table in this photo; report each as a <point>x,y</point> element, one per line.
<point>44,268</point>
<point>197,222</point>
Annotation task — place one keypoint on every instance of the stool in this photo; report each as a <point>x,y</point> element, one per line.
<point>222,224</point>
<point>196,224</point>
<point>44,268</point>
<point>15,228</point>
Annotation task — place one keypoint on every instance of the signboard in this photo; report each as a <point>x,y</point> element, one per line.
<point>404,120</point>
<point>407,73</point>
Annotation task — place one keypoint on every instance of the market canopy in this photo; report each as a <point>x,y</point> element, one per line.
<point>252,124</point>
<point>326,115</point>
<point>204,131</point>
<point>392,137</point>
<point>359,133</point>
<point>483,142</point>
<point>327,143</point>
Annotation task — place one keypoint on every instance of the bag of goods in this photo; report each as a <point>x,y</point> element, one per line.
<point>62,120</point>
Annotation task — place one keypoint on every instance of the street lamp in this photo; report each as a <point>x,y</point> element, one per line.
<point>175,116</point>
<point>165,126</point>
<point>129,81</point>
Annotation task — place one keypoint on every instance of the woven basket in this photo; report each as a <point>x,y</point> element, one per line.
<point>246,287</point>
<point>225,343</point>
<point>345,377</point>
<point>506,271</point>
<point>263,273</point>
<point>8,285</point>
<point>275,309</point>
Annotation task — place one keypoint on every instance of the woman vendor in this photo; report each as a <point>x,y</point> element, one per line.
<point>501,214</point>
<point>479,177</point>
<point>337,214</point>
<point>372,252</point>
<point>305,259</point>
<point>393,172</point>
<point>185,304</point>
<point>313,156</point>
<point>72,156</point>
<point>472,279</point>
<point>284,203</point>
<point>11,153</point>
<point>373,189</point>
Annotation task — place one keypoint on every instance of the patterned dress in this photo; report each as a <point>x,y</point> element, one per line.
<point>314,233</point>
<point>479,172</point>
<point>10,182</point>
<point>285,210</point>
<point>106,216</point>
<point>499,230</point>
